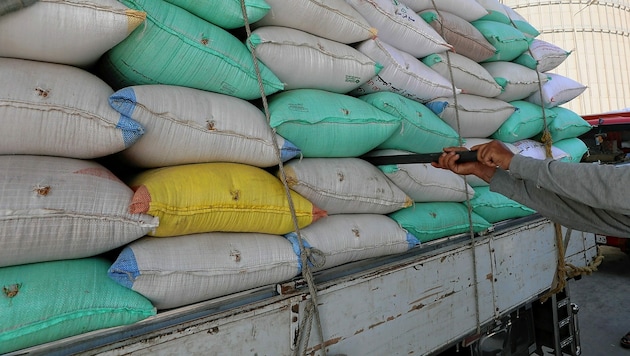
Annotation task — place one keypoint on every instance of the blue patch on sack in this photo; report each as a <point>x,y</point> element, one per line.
<point>125,270</point>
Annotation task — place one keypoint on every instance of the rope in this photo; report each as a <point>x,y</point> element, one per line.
<point>306,254</point>
<point>564,271</point>
<point>468,204</point>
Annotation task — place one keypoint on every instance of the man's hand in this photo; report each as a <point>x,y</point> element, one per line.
<point>494,154</point>
<point>490,156</point>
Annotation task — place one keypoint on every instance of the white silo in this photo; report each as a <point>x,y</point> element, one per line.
<point>597,34</point>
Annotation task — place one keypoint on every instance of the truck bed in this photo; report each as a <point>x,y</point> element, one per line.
<point>416,303</point>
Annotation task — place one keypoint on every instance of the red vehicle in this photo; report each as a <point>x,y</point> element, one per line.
<point>609,143</point>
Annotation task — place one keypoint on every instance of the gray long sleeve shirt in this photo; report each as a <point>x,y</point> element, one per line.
<point>582,196</point>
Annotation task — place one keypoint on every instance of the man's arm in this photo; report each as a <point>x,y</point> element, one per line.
<point>600,186</point>
<point>565,211</point>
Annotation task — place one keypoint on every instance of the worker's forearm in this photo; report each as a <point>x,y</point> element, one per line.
<point>565,211</point>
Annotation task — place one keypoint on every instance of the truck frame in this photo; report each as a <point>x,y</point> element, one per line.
<point>459,292</point>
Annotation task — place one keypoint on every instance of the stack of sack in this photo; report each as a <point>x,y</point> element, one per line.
<point>145,130</point>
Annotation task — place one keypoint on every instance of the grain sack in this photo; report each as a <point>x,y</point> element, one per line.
<point>536,149</point>
<point>496,11</point>
<point>74,32</point>
<point>508,41</point>
<point>542,56</point>
<point>402,74</point>
<point>557,90</point>
<point>48,301</point>
<point>348,238</point>
<point>472,115</point>
<point>60,208</point>
<point>59,110</point>
<point>520,22</point>
<point>467,75</point>
<point>495,207</point>
<point>326,124</point>
<point>208,197</point>
<point>469,10</point>
<point>225,14</point>
<point>430,221</point>
<point>8,6</point>
<point>185,125</point>
<point>424,183</point>
<point>301,60</point>
<point>178,48</point>
<point>401,27</point>
<point>461,34</point>
<point>566,124</point>
<point>336,19</point>
<point>517,81</point>
<point>574,147</point>
<point>527,121</point>
<point>421,131</point>
<point>173,272</point>
<point>344,186</point>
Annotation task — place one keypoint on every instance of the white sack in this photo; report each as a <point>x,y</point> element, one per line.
<point>75,32</point>
<point>54,208</point>
<point>305,61</point>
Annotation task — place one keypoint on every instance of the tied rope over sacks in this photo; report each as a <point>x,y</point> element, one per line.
<point>308,256</point>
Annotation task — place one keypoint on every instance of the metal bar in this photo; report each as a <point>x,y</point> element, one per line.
<point>464,156</point>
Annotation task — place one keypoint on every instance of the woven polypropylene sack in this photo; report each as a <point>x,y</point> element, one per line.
<point>495,207</point>
<point>348,238</point>
<point>227,14</point>
<point>59,110</point>
<point>574,147</point>
<point>172,272</point>
<point>186,125</point>
<point>344,186</point>
<point>401,27</point>
<point>221,197</point>
<point>327,124</point>
<point>421,131</point>
<point>527,121</point>
<point>425,183</point>
<point>542,56</point>
<point>178,48</point>
<point>302,60</point>
<point>566,124</point>
<point>470,10</point>
<point>8,6</point>
<point>402,74</point>
<point>467,75</point>
<point>67,32</point>
<point>517,81</point>
<point>48,301</point>
<point>55,208</point>
<point>430,221</point>
<point>465,38</point>
<point>334,19</point>
<point>509,42</point>
<point>557,90</point>
<point>472,115</point>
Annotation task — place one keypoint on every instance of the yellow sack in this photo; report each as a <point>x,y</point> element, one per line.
<point>209,197</point>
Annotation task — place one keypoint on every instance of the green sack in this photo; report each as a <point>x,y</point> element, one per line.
<point>430,221</point>
<point>574,147</point>
<point>227,14</point>
<point>495,207</point>
<point>509,41</point>
<point>421,130</point>
<point>566,124</point>
<point>326,124</point>
<point>526,122</point>
<point>48,301</point>
<point>176,47</point>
